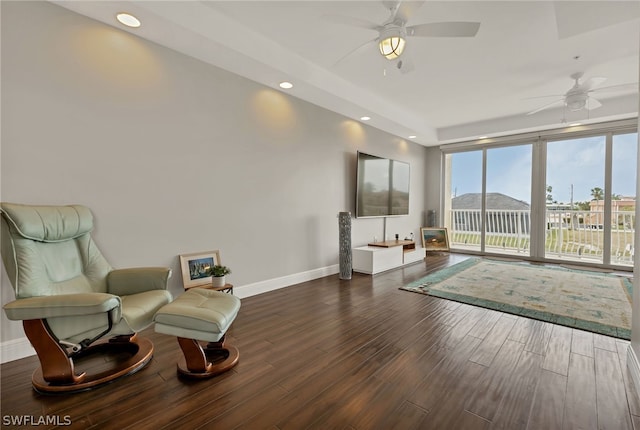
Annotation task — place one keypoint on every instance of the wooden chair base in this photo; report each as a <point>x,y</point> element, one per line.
<point>202,363</point>
<point>100,364</point>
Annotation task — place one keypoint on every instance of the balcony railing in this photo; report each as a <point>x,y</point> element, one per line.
<point>570,234</point>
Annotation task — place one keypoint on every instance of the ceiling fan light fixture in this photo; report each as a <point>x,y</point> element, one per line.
<point>576,102</point>
<point>575,105</point>
<point>391,47</point>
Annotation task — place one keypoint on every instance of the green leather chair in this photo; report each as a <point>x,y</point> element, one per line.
<point>73,304</point>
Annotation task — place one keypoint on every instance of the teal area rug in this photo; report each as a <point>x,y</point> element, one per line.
<point>597,302</point>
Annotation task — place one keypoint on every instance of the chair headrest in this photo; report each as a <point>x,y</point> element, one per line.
<point>48,223</point>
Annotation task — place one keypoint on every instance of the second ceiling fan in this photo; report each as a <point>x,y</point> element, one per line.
<point>580,95</point>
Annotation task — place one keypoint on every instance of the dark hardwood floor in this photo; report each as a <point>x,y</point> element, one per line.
<point>362,354</point>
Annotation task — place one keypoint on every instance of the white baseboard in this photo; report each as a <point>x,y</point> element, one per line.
<point>16,349</point>
<point>634,367</point>
<point>285,281</point>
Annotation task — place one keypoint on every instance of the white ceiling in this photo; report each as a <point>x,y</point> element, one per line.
<point>460,89</point>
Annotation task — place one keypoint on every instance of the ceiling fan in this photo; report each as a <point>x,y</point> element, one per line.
<point>393,33</point>
<point>579,96</point>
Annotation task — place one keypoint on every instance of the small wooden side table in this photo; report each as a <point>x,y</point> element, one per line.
<point>226,288</point>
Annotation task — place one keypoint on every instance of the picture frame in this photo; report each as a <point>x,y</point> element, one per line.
<point>434,239</point>
<point>194,266</point>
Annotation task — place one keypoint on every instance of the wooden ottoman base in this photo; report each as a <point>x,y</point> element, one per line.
<point>201,363</point>
<point>194,318</point>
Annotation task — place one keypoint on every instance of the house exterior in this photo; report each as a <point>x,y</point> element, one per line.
<point>619,207</point>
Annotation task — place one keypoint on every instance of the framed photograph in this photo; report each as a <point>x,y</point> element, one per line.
<point>195,268</point>
<point>435,239</point>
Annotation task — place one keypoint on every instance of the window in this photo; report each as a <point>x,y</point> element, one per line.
<point>508,199</point>
<point>558,195</point>
<point>623,197</point>
<point>464,189</point>
<point>575,176</point>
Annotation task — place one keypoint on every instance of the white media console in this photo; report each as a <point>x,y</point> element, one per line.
<point>380,256</point>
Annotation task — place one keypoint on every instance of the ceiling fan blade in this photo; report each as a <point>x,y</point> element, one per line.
<point>592,104</point>
<point>592,83</point>
<point>407,9</point>
<point>543,97</point>
<point>444,29</point>
<point>352,22</point>
<point>353,51</point>
<point>621,87</point>
<point>546,106</point>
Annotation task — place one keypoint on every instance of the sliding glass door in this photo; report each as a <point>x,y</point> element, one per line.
<point>498,219</point>
<point>574,228</point>
<point>567,199</point>
<point>464,199</point>
<point>508,199</point>
<point>623,198</point>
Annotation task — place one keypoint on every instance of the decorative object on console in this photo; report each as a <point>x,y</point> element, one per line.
<point>218,275</point>
<point>344,225</point>
<point>196,268</point>
<point>435,239</point>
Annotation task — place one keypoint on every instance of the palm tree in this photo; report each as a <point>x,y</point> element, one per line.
<point>597,193</point>
<point>549,195</point>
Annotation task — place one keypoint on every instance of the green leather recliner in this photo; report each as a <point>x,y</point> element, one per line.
<point>73,304</point>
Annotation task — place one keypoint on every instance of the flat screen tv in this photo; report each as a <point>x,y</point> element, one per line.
<point>382,187</point>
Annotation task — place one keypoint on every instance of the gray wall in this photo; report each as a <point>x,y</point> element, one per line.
<point>176,156</point>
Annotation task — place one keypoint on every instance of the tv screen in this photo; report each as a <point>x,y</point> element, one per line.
<point>382,187</point>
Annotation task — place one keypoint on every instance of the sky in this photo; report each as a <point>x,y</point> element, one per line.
<point>577,162</point>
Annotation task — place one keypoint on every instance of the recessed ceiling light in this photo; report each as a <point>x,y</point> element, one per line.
<point>365,118</point>
<point>483,137</point>
<point>286,85</point>
<point>575,124</point>
<point>128,19</point>
<point>413,136</point>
